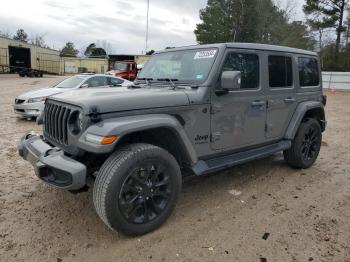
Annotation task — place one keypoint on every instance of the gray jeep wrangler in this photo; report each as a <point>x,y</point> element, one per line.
<point>199,108</point>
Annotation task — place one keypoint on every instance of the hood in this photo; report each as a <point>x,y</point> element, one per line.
<point>48,91</point>
<point>123,99</point>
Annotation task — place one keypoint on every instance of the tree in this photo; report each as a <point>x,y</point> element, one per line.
<point>330,64</point>
<point>218,23</point>
<point>327,14</point>
<point>93,51</point>
<point>347,36</point>
<point>5,34</point>
<point>98,52</point>
<point>38,40</point>
<point>21,35</point>
<point>296,35</point>
<point>256,21</point>
<point>69,50</point>
<point>105,45</point>
<point>89,48</point>
<point>151,52</point>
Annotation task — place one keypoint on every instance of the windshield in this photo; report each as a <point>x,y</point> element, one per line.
<point>187,65</point>
<point>121,66</point>
<point>71,82</point>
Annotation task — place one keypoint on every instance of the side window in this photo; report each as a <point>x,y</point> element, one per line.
<point>280,71</point>
<point>115,81</point>
<point>248,65</point>
<point>97,81</point>
<point>308,72</point>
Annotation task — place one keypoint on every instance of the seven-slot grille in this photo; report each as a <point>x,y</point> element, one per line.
<point>56,122</point>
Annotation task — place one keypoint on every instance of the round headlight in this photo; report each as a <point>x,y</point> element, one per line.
<point>76,122</point>
<point>80,121</point>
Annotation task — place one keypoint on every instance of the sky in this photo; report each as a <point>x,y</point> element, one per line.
<point>120,23</point>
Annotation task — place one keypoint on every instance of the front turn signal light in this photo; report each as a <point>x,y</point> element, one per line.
<point>101,140</point>
<point>107,140</point>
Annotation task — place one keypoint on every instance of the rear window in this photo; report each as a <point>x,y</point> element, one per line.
<point>280,71</point>
<point>309,74</point>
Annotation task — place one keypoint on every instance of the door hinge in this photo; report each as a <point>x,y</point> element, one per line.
<point>215,137</point>
<point>214,110</point>
<point>268,127</point>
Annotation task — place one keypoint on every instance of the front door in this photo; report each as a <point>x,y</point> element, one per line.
<point>238,117</point>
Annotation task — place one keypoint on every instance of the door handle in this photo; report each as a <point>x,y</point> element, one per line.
<point>258,103</point>
<point>289,100</point>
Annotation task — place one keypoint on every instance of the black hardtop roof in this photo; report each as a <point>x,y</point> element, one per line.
<point>274,48</point>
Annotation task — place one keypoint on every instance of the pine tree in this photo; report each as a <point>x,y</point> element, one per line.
<point>256,21</point>
<point>327,14</point>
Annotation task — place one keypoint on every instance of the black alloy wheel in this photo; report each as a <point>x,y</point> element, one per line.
<point>310,145</point>
<point>306,145</point>
<point>136,188</point>
<point>145,193</point>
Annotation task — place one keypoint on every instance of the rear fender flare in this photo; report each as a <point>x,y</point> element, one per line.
<point>298,117</point>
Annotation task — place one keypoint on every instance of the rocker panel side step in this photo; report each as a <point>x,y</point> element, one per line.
<point>203,167</point>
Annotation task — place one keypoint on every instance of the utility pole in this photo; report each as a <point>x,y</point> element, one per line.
<point>147,26</point>
<point>347,32</point>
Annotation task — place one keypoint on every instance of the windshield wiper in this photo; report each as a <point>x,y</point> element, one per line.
<point>170,81</point>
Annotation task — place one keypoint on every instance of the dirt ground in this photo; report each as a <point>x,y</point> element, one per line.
<point>303,214</point>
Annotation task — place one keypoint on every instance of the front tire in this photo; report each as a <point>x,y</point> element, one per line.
<point>305,146</point>
<point>137,188</point>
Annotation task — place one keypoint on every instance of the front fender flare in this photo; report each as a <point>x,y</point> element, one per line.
<point>298,116</point>
<point>122,126</point>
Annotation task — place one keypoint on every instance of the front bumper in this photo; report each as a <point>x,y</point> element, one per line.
<point>29,109</point>
<point>51,164</point>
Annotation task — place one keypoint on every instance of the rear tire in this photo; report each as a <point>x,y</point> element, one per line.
<point>305,146</point>
<point>137,188</point>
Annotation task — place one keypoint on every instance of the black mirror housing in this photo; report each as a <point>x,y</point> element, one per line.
<point>231,80</point>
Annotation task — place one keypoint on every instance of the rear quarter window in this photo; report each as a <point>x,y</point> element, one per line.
<point>309,74</point>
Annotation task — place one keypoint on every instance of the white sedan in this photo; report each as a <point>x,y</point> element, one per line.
<point>32,103</point>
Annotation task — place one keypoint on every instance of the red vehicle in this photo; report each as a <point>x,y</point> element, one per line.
<point>124,69</point>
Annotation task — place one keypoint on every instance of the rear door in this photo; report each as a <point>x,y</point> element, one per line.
<point>238,117</point>
<point>281,95</point>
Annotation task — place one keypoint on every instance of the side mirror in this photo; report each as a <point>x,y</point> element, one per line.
<point>231,80</point>
<point>84,86</point>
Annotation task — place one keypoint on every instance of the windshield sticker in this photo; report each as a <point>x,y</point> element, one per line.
<point>199,76</point>
<point>205,54</point>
